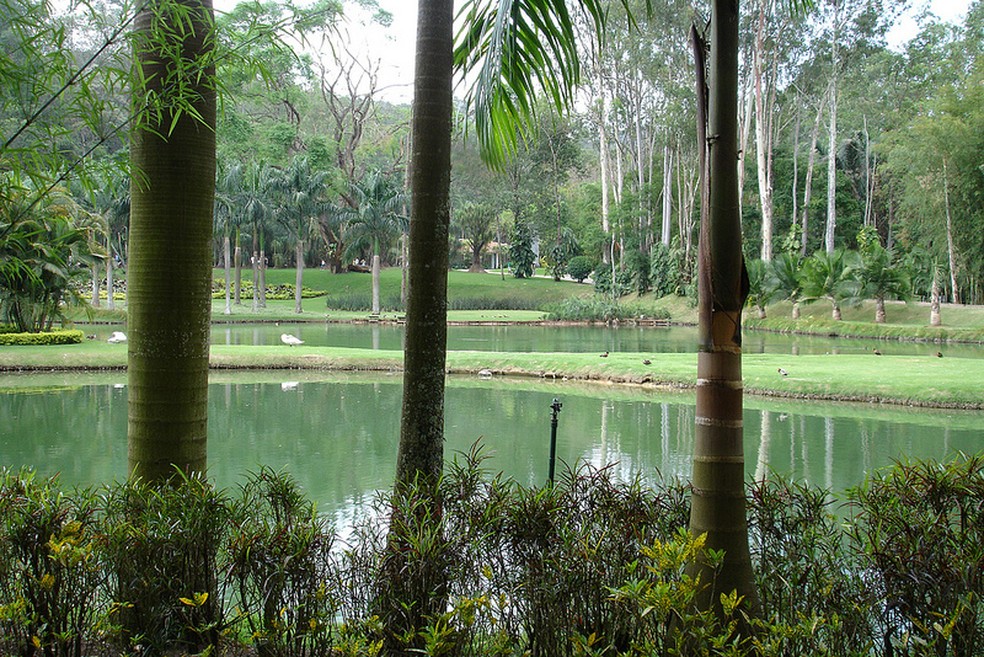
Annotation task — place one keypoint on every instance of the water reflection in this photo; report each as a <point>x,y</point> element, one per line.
<point>338,434</point>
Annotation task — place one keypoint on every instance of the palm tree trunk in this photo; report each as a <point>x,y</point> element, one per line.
<point>879,310</point>
<point>226,260</point>
<point>718,498</point>
<point>170,262</point>
<point>375,283</point>
<point>95,284</point>
<point>299,277</point>
<point>110,283</point>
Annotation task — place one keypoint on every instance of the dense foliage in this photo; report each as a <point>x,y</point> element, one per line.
<point>590,566</point>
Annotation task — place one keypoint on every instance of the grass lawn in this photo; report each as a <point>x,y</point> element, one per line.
<point>906,380</point>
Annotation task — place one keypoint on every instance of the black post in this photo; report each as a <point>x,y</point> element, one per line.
<point>555,408</point>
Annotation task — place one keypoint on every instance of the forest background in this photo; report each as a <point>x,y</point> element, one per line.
<point>844,141</point>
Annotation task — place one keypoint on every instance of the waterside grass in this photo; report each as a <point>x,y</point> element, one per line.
<point>925,381</point>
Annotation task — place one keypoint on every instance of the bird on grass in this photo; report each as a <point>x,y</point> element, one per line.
<point>783,372</point>
<point>604,355</point>
<point>290,340</point>
<point>876,352</point>
<point>939,354</point>
<point>647,362</point>
<point>117,337</point>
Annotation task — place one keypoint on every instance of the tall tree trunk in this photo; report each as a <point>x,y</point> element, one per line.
<point>298,275</point>
<point>95,284</point>
<point>718,498</point>
<point>828,235</point>
<point>808,182</point>
<point>170,257</point>
<point>951,251</point>
<point>227,261</point>
<point>110,283</point>
<point>238,263</point>
<point>606,226</point>
<point>422,591</point>
<point>262,284</point>
<point>880,309</point>
<point>763,132</point>
<point>796,147</point>
<point>375,283</point>
<point>665,230</point>
<point>934,300</point>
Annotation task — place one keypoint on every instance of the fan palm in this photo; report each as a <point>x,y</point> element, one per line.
<point>882,279</point>
<point>831,276</point>
<point>787,270</point>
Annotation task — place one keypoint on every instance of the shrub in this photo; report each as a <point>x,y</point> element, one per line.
<point>68,336</point>
<point>580,267</point>
<point>162,549</point>
<point>603,281</point>
<point>596,309</point>
<point>49,567</point>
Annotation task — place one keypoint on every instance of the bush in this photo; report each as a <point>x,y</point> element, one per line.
<point>596,309</point>
<point>603,281</point>
<point>68,336</point>
<point>49,567</point>
<point>580,267</point>
<point>282,292</point>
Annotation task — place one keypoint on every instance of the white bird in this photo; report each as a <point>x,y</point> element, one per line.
<point>117,337</point>
<point>289,385</point>
<point>290,340</point>
<point>783,372</point>
<point>485,374</point>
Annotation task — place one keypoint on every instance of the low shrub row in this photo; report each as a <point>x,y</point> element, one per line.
<point>281,292</point>
<point>65,336</point>
<point>590,566</point>
<point>597,309</point>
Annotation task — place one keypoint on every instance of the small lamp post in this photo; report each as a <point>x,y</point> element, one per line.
<point>555,411</point>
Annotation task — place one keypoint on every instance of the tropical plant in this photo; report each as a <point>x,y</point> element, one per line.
<point>831,276</point>
<point>580,267</point>
<point>44,252</point>
<point>300,200</point>
<point>564,248</point>
<point>762,285</point>
<point>374,221</point>
<point>477,224</point>
<point>787,271</point>
<point>881,278</point>
<point>521,256</point>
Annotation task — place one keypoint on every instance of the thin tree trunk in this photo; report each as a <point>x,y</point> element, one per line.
<point>808,182</point>
<point>718,498</point>
<point>667,194</point>
<point>110,283</point>
<point>879,309</point>
<point>375,283</point>
<point>606,226</point>
<point>170,263</point>
<point>238,257</point>
<point>227,260</point>
<point>95,284</point>
<point>763,130</point>
<point>832,144</point>
<point>298,276</point>
<point>934,302</point>
<point>262,286</point>
<point>951,251</point>
<point>796,147</point>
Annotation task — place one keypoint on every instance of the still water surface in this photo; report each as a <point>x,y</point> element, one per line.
<point>560,339</point>
<point>337,435</point>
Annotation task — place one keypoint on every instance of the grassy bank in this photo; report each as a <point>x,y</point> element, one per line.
<point>906,380</point>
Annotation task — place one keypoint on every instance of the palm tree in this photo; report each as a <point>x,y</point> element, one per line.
<point>717,506</point>
<point>225,216</point>
<point>373,221</point>
<point>170,254</point>
<point>880,278</point>
<point>787,270</point>
<point>762,285</point>
<point>301,201</point>
<point>257,208</point>
<point>831,276</point>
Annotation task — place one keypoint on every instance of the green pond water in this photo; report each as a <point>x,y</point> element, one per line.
<point>524,338</point>
<point>337,435</point>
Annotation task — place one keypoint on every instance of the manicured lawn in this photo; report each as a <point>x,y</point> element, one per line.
<point>907,380</point>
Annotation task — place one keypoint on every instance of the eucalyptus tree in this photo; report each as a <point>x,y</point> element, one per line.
<point>170,269</point>
<point>374,221</point>
<point>302,192</point>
